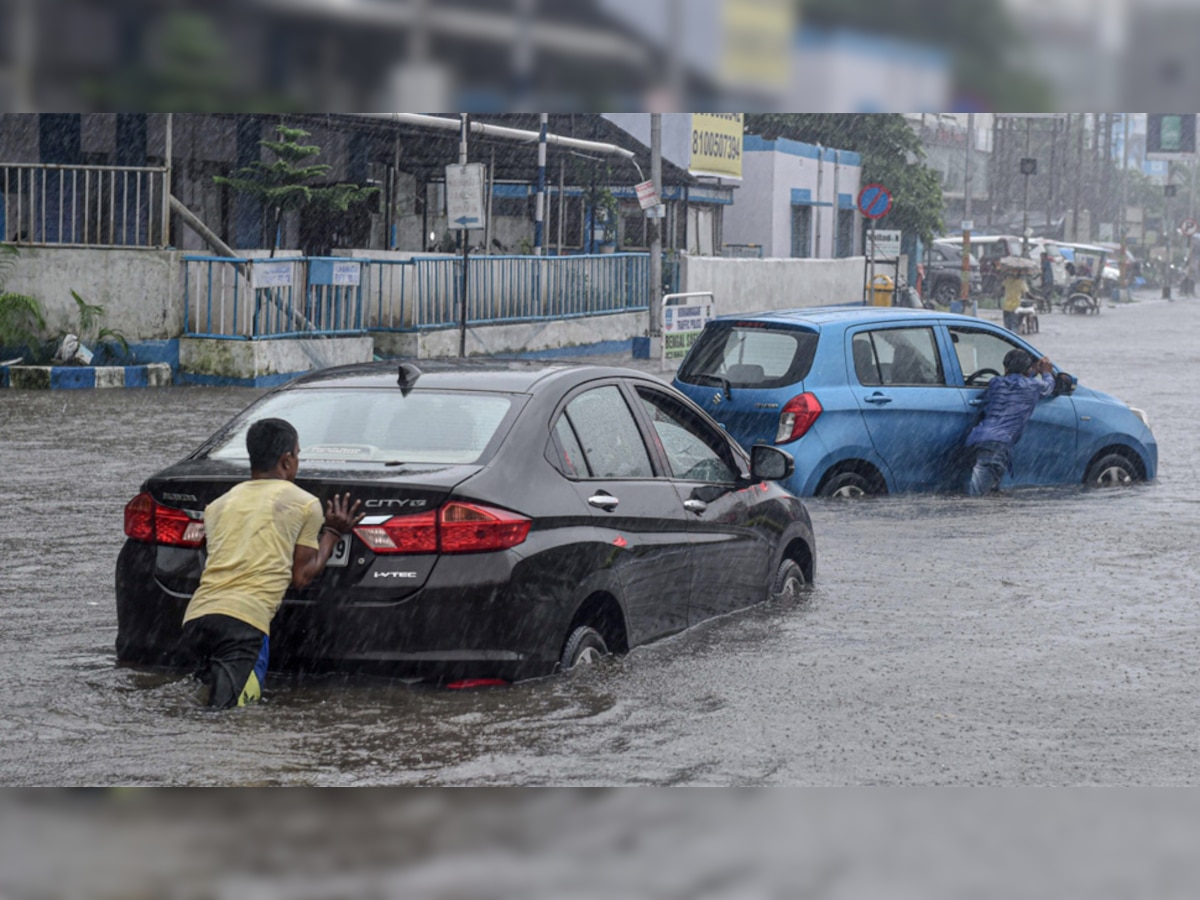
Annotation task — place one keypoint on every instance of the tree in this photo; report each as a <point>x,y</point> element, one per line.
<point>286,183</point>
<point>891,155</point>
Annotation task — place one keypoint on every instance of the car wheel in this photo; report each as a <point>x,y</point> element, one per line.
<point>1111,470</point>
<point>946,292</point>
<point>848,486</point>
<point>585,647</point>
<point>789,582</point>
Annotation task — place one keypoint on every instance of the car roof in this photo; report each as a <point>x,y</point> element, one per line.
<point>499,375</point>
<point>820,316</point>
<point>1092,247</point>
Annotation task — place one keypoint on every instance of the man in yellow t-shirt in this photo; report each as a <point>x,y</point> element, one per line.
<point>1014,290</point>
<point>262,535</point>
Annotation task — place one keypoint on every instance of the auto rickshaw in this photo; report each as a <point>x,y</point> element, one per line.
<point>1085,272</point>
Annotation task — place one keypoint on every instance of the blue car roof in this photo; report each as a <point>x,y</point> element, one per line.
<point>820,316</point>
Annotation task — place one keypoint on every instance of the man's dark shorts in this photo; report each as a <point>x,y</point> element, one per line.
<point>230,657</point>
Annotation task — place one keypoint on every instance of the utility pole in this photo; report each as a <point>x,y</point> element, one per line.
<point>463,239</point>
<point>964,292</point>
<point>655,330</point>
<point>1124,200</point>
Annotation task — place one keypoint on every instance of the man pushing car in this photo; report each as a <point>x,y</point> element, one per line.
<point>262,535</point>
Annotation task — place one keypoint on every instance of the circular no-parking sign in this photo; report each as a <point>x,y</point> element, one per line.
<point>874,201</point>
<point>1188,227</point>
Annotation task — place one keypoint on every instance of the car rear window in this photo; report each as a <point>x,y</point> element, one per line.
<point>749,355</point>
<point>374,426</point>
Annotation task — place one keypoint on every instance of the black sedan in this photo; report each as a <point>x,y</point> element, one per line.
<point>521,518</point>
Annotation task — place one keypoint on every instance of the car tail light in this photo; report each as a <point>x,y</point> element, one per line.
<point>456,528</point>
<point>797,417</point>
<point>149,521</point>
<point>402,534</point>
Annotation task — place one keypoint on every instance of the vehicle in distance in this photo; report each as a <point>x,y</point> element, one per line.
<point>873,400</point>
<point>521,518</point>
<point>943,273</point>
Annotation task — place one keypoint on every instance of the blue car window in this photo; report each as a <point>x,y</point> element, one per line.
<point>611,441</point>
<point>749,355</point>
<point>903,356</point>
<point>866,366</point>
<point>980,354</point>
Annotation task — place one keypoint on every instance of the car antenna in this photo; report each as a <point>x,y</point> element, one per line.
<point>409,374</point>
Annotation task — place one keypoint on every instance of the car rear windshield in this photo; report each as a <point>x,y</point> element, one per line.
<point>373,426</point>
<point>749,355</point>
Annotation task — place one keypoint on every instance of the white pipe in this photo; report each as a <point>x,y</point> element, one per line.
<point>504,132</point>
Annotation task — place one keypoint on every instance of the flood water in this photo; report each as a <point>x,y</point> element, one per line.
<point>1047,637</point>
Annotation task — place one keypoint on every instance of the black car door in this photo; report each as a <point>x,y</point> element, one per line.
<point>602,451</point>
<point>732,546</point>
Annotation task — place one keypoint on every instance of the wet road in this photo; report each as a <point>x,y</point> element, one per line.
<point>1047,637</point>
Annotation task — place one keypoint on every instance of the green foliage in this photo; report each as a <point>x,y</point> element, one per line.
<point>21,316</point>
<point>89,331</point>
<point>285,184</point>
<point>891,155</point>
<point>186,68</point>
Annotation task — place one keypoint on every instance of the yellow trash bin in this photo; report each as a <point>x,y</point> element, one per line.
<point>882,290</point>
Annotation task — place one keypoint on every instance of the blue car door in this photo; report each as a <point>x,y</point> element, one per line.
<point>917,421</point>
<point>1045,454</point>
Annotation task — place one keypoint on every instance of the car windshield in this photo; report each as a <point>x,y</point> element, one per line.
<point>749,355</point>
<point>379,426</point>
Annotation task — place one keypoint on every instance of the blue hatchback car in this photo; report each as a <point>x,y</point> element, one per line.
<point>877,400</point>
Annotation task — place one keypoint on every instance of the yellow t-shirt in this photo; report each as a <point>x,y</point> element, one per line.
<point>1014,289</point>
<point>252,531</point>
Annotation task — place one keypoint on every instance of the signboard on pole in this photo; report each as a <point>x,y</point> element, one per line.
<point>270,273</point>
<point>683,318</point>
<point>1188,227</point>
<point>884,243</point>
<point>874,201</point>
<point>464,195</point>
<point>646,194</point>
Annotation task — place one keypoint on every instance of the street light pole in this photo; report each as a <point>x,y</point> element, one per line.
<point>1025,170</point>
<point>655,226</point>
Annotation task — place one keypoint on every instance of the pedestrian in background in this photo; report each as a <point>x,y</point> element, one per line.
<point>1008,404</point>
<point>1014,289</point>
<point>1047,277</point>
<point>262,536</point>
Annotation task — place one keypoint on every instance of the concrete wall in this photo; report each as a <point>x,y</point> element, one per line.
<point>754,285</point>
<point>140,290</point>
<point>524,337</point>
<point>265,363</point>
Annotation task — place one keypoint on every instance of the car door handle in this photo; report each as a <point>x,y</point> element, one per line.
<point>978,401</point>
<point>695,506</point>
<point>606,502</point>
<point>879,398</point>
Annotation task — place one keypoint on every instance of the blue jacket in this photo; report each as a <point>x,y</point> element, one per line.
<point>1008,403</point>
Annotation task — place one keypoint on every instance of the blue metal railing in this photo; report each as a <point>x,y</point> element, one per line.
<point>284,298</point>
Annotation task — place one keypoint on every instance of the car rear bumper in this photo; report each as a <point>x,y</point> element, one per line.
<point>442,632</point>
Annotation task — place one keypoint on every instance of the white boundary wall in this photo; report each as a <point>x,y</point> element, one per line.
<point>755,285</point>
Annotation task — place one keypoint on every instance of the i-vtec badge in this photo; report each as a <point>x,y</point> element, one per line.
<point>393,574</point>
<point>385,504</point>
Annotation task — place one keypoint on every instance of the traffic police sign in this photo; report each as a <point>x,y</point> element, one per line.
<point>874,201</point>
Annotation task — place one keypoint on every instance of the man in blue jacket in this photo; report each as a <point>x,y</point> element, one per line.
<point>1008,404</point>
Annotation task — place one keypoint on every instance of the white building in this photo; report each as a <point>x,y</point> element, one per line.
<point>796,200</point>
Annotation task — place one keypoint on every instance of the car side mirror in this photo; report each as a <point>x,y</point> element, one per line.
<point>769,463</point>
<point>1064,383</point>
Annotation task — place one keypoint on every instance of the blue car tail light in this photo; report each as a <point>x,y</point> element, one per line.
<point>797,417</point>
